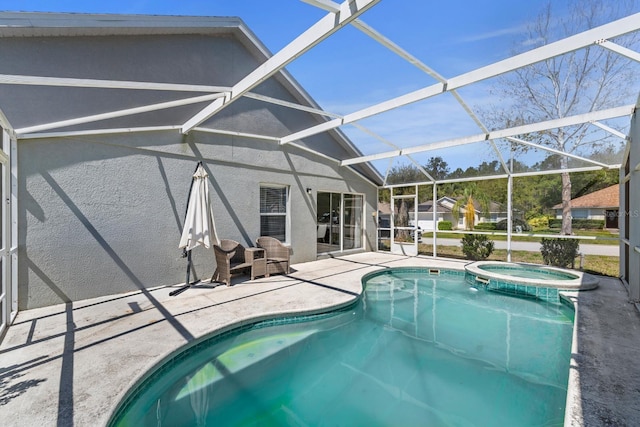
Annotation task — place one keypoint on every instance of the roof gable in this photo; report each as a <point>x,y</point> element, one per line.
<point>114,57</point>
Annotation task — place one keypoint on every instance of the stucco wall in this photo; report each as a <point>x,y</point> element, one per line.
<point>102,215</point>
<point>591,213</point>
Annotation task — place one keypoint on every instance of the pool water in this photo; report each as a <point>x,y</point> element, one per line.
<point>416,350</point>
<point>526,272</point>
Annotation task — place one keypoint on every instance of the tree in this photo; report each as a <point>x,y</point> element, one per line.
<point>437,168</point>
<point>578,82</point>
<point>402,174</point>
<point>471,196</point>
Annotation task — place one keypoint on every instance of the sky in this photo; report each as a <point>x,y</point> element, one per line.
<point>350,71</point>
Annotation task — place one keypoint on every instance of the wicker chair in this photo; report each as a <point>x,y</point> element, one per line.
<point>277,255</point>
<point>232,258</point>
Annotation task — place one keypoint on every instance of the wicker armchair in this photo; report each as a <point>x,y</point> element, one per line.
<point>232,258</point>
<point>277,255</point>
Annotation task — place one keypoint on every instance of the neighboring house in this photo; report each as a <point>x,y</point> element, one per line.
<point>444,206</point>
<point>100,192</point>
<point>425,213</point>
<point>602,205</point>
<point>496,212</point>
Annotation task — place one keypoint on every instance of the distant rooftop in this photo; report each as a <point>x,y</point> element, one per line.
<point>606,198</point>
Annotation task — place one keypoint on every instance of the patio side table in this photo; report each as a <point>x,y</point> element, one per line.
<point>258,260</point>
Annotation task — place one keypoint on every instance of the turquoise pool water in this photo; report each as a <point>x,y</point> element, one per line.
<point>416,350</point>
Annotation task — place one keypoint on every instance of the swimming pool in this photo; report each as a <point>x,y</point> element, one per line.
<point>419,348</point>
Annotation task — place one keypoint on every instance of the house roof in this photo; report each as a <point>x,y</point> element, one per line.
<point>428,207</point>
<point>606,198</point>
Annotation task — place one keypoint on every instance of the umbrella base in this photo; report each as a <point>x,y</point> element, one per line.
<point>182,289</point>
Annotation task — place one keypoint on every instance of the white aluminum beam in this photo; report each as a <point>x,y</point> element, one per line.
<point>5,124</point>
<point>325,27</point>
<point>613,29</point>
<point>234,133</point>
<point>75,133</point>
<point>324,156</point>
<point>375,135</point>
<point>384,41</point>
<point>371,157</point>
<point>292,105</point>
<point>375,35</point>
<point>326,5</point>
<point>12,79</point>
<point>119,113</point>
<point>631,54</point>
<point>392,145</point>
<point>421,168</point>
<point>610,113</point>
<point>558,171</point>
<point>386,175</point>
<point>446,181</point>
<point>262,137</point>
<point>503,176</point>
<point>552,150</point>
<point>504,133</point>
<point>579,41</point>
<point>610,130</point>
<point>4,158</point>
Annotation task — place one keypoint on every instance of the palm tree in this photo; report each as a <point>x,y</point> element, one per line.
<point>472,194</point>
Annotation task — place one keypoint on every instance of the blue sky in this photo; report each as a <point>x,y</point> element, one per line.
<point>349,71</point>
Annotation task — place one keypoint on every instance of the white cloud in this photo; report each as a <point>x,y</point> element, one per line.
<point>503,32</point>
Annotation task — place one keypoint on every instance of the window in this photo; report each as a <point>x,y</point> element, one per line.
<point>274,211</point>
<point>580,213</point>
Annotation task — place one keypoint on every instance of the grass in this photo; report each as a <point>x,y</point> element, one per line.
<point>600,236</point>
<point>595,264</point>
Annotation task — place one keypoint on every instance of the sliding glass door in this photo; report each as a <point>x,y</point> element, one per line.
<point>352,224</point>
<point>339,222</point>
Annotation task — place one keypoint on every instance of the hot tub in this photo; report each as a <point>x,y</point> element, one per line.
<point>495,273</point>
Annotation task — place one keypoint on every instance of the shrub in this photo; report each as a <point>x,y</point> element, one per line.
<point>559,252</point>
<point>485,226</point>
<point>444,225</point>
<point>476,247</point>
<point>555,223</point>
<point>502,225</point>
<point>585,224</point>
<point>588,224</point>
<point>539,222</point>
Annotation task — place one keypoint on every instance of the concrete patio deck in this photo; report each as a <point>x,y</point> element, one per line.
<point>70,365</point>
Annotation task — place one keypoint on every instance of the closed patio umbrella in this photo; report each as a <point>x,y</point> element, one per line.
<point>199,228</point>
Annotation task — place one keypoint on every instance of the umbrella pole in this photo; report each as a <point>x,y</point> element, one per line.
<point>187,285</point>
<point>186,253</point>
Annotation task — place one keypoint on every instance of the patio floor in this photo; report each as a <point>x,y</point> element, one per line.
<point>71,364</point>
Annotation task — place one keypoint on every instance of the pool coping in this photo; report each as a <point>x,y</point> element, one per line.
<point>72,364</point>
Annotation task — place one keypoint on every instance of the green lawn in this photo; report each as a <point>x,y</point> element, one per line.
<point>602,237</point>
<point>595,264</point>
